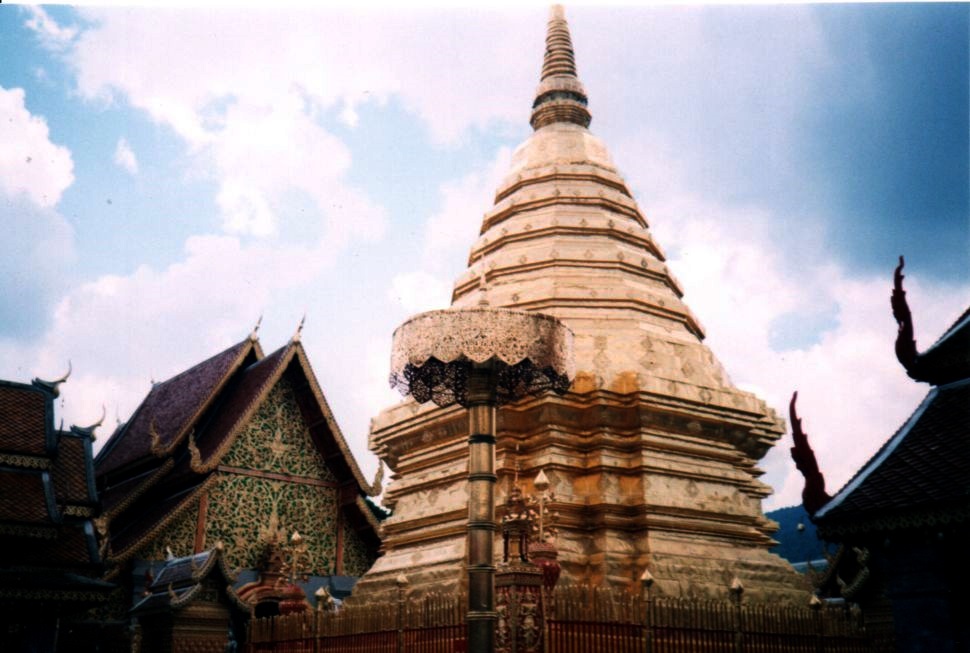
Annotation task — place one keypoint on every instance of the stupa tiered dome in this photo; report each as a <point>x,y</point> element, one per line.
<point>652,454</point>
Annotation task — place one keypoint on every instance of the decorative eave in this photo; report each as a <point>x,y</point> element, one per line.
<point>368,515</point>
<point>370,489</point>
<point>205,463</point>
<point>814,495</point>
<point>147,483</point>
<point>124,554</point>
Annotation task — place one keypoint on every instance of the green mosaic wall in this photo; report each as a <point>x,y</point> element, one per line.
<point>277,440</point>
<point>243,509</point>
<point>357,560</point>
<point>179,534</point>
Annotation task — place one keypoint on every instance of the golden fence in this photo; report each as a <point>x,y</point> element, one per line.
<point>432,624</point>
<point>585,620</point>
<point>577,620</point>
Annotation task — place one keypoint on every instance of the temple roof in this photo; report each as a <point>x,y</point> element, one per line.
<point>919,477</point>
<point>172,407</point>
<point>47,498</point>
<point>27,426</point>
<point>74,471</point>
<point>180,581</point>
<point>948,358</point>
<point>204,410</point>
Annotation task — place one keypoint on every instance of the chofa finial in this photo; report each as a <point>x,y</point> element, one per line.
<point>88,431</point>
<point>253,335</point>
<point>299,329</point>
<point>52,386</point>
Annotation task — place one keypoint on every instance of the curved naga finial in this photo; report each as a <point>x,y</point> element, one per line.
<point>89,430</point>
<point>905,340</point>
<point>52,386</point>
<point>814,495</point>
<point>378,485</point>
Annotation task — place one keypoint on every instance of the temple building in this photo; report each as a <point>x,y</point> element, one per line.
<point>652,455</point>
<point>238,456</point>
<point>901,522</point>
<point>51,533</point>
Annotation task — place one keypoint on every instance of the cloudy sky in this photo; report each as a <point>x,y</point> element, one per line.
<point>169,175</point>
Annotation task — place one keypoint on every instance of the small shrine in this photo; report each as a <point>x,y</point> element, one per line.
<point>190,606</point>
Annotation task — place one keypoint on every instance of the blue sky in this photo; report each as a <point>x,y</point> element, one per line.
<point>169,175</point>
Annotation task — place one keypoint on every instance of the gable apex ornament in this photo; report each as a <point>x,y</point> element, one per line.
<point>53,386</point>
<point>88,431</point>
<point>299,330</point>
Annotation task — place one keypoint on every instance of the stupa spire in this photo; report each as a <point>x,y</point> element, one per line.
<point>560,96</point>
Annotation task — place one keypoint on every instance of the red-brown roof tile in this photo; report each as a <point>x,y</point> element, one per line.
<point>24,422</point>
<point>26,498</point>
<point>171,407</point>
<point>73,546</point>
<point>73,480</point>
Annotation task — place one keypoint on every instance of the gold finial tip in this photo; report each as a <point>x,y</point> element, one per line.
<point>299,329</point>
<point>254,334</point>
<point>646,578</point>
<point>541,481</point>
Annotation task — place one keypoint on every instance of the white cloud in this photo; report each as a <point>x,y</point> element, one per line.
<point>121,330</point>
<point>853,394</point>
<point>452,230</point>
<point>248,107</point>
<point>51,35</point>
<point>125,157</point>
<point>334,58</point>
<point>38,243</point>
<point>420,291</point>
<point>32,165</point>
<point>250,93</point>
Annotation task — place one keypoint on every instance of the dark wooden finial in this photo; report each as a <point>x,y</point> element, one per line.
<point>814,495</point>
